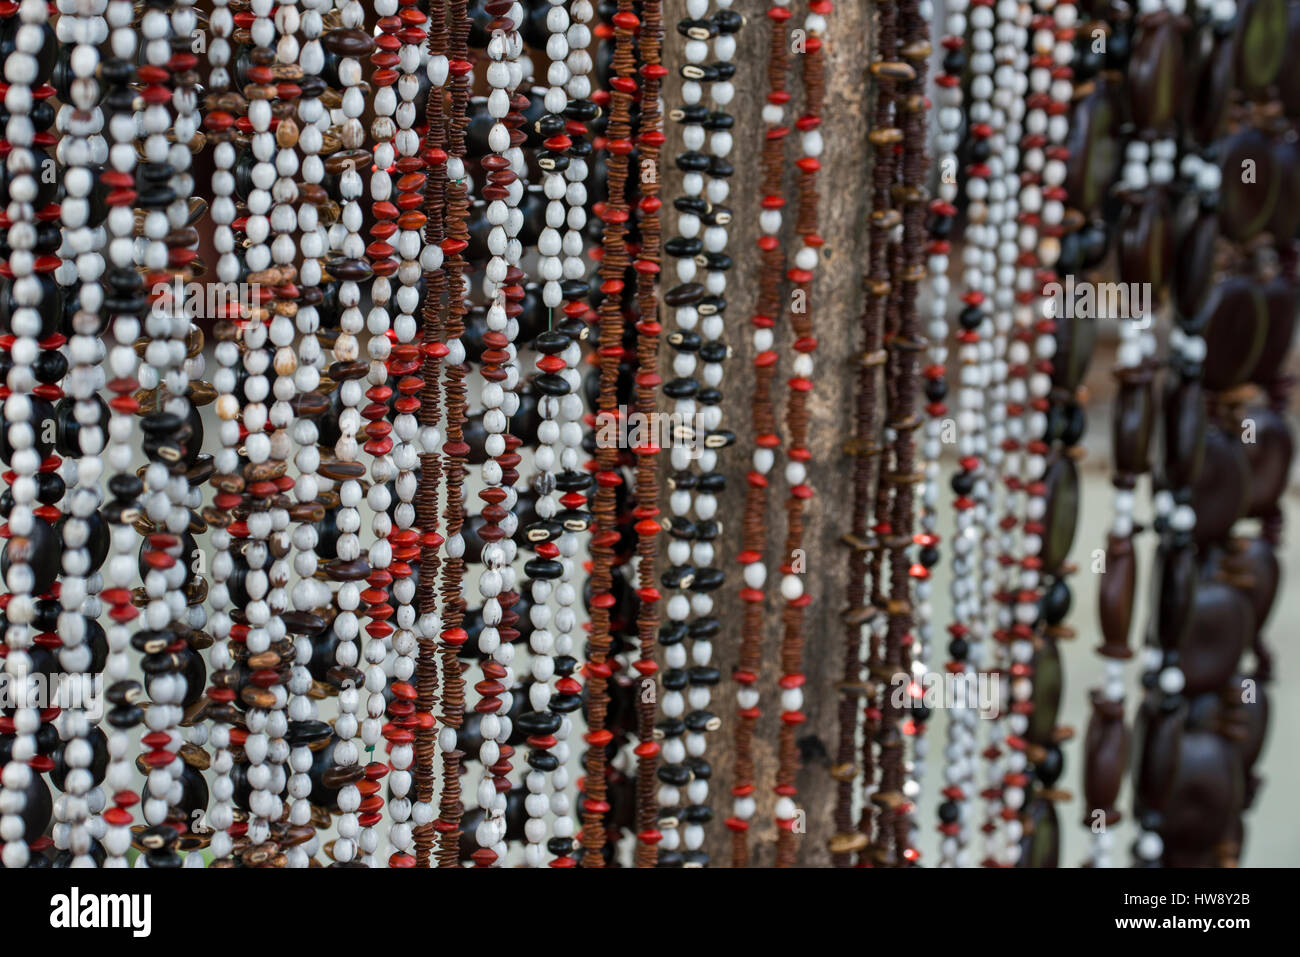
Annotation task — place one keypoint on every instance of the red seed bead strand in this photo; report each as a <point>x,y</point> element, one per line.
<point>613,266</point>
<point>500,372</point>
<point>455,449</point>
<point>432,350</point>
<point>754,540</point>
<point>404,363</point>
<point>650,138</point>
<point>798,454</point>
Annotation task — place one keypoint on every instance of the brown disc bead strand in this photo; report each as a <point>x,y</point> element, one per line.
<point>754,533</point>
<point>800,275</point>
<point>865,447</point>
<point>455,449</point>
<point>433,350</point>
<point>649,139</point>
<point>893,839</point>
<point>614,214</point>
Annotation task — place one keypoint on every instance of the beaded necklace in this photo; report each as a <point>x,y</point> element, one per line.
<point>433,350</point>
<point>861,539</point>
<point>754,532</point>
<point>28,573</point>
<point>455,449</point>
<point>125,305</point>
<point>613,267</point>
<point>650,137</point>
<point>348,568</point>
<point>503,192</point>
<point>82,421</point>
<point>308,593</point>
<point>800,274</point>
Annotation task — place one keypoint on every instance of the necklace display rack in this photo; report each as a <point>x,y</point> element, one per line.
<point>407,546</point>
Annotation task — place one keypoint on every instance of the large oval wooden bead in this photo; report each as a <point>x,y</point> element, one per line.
<point>1269,447</point>
<point>1282,302</point>
<point>1261,42</point>
<point>1184,434</point>
<point>1095,151</point>
<point>1286,213</point>
<point>1115,597</point>
<point>1235,322</point>
<point>1222,493</point>
<point>1194,265</point>
<point>1156,74</point>
<point>1132,421</point>
<point>1048,680</point>
<point>1222,623</point>
<point>1105,757</point>
<point>1288,77</point>
<point>1041,845</point>
<point>1204,801</point>
<point>1074,341</point>
<point>1207,110</point>
<point>1062,481</point>
<point>1146,246</point>
<point>1260,566</point>
<point>1176,577</point>
<point>1159,732</point>
<point>1250,183</point>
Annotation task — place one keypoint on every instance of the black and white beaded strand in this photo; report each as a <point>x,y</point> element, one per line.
<point>125,307</point>
<point>21,70</point>
<point>81,150</point>
<point>554,388</point>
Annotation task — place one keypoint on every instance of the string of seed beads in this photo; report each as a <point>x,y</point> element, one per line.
<point>22,74</point>
<point>495,584</point>
<point>80,149</point>
<point>455,449</point>
<point>927,538</point>
<point>943,211</point>
<point>308,593</point>
<point>767,441</point>
<point>650,138</point>
<point>613,267</point>
<point>283,223</point>
<point>350,568</point>
<point>1004,504</point>
<point>713,350</point>
<point>266,698</point>
<point>989,201</point>
<point>1042,211</point>
<point>540,724</point>
<point>404,366</point>
<point>967,629</point>
<point>871,399</point>
<point>798,454</point>
<point>684,298</point>
<point>573,480</point>
<point>905,346</point>
<point>167,438</point>
<point>433,349</point>
<point>378,430</point>
<point>220,124</point>
<point>125,306</point>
